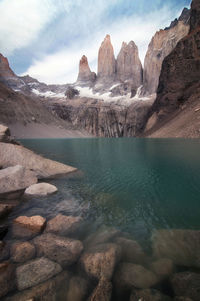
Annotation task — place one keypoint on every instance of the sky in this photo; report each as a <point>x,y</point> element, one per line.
<point>47,38</point>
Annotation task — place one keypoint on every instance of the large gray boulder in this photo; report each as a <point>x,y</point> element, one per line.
<point>16,178</point>
<point>11,155</point>
<point>181,246</point>
<point>35,272</point>
<point>63,250</point>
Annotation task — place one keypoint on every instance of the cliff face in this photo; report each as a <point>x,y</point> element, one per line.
<point>129,66</point>
<point>180,76</point>
<point>163,42</point>
<point>5,70</point>
<point>85,76</point>
<point>104,119</point>
<point>106,61</point>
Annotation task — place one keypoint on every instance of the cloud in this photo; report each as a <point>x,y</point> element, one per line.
<point>22,21</point>
<point>62,65</point>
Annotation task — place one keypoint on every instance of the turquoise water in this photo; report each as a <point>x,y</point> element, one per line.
<point>136,185</point>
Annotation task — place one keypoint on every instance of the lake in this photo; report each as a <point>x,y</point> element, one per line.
<point>135,185</point>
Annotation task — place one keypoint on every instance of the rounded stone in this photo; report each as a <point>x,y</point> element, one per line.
<point>22,252</point>
<point>40,189</point>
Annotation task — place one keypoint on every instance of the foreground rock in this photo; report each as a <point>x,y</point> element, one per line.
<point>181,246</point>
<point>34,223</point>
<point>78,289</point>
<point>40,189</point>
<point>35,272</point>
<point>163,267</point>
<point>4,251</point>
<point>16,178</point>
<point>102,292</point>
<point>11,154</point>
<point>186,284</point>
<point>131,250</point>
<point>64,225</point>
<point>50,290</point>
<point>148,295</point>
<point>130,275</point>
<point>100,261</point>
<point>63,250</point>
<point>7,278</point>
<point>22,252</point>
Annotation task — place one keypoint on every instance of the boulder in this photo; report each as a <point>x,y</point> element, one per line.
<point>186,284</point>
<point>35,272</point>
<point>64,225</point>
<point>50,290</point>
<point>78,289</point>
<point>163,267</point>
<point>63,250</point>
<point>181,246</point>
<point>26,227</point>
<point>40,190</point>
<point>129,275</point>
<point>16,178</point>
<point>131,250</point>
<point>11,154</point>
<point>5,209</point>
<point>100,261</point>
<point>102,292</point>
<point>148,295</point>
<point>7,278</point>
<point>22,252</point>
<point>4,133</point>
<point>4,251</point>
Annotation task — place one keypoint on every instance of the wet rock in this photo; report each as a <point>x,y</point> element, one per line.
<point>129,275</point>
<point>22,252</point>
<point>15,178</point>
<point>26,227</point>
<point>78,289</point>
<point>181,246</point>
<point>64,225</point>
<point>51,290</point>
<point>100,261</point>
<point>163,267</point>
<point>63,250</point>
<point>102,292</point>
<point>131,250</point>
<point>35,272</point>
<point>11,154</point>
<point>4,251</point>
<point>5,209</point>
<point>148,295</point>
<point>7,278</point>
<point>186,284</point>
<point>101,236</point>
<point>40,189</point>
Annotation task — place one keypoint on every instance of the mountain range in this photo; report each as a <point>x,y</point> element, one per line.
<point>124,98</point>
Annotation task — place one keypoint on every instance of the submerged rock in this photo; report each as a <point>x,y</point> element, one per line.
<point>5,209</point>
<point>129,275</point>
<point>63,250</point>
<point>24,226</point>
<point>64,225</point>
<point>100,261</point>
<point>78,289</point>
<point>40,189</point>
<point>22,252</point>
<point>16,178</point>
<point>181,246</point>
<point>102,292</point>
<point>131,250</point>
<point>148,295</point>
<point>163,267</point>
<point>4,250</point>
<point>11,154</point>
<point>35,272</point>
<point>50,290</point>
<point>7,278</point>
<point>186,284</point>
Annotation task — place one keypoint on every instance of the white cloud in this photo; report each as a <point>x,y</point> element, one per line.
<point>62,66</point>
<point>21,21</point>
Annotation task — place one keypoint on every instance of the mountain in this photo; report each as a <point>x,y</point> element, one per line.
<point>176,109</point>
<point>162,43</point>
<point>85,76</point>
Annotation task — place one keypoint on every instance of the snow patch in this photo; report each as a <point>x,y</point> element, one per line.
<point>48,94</point>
